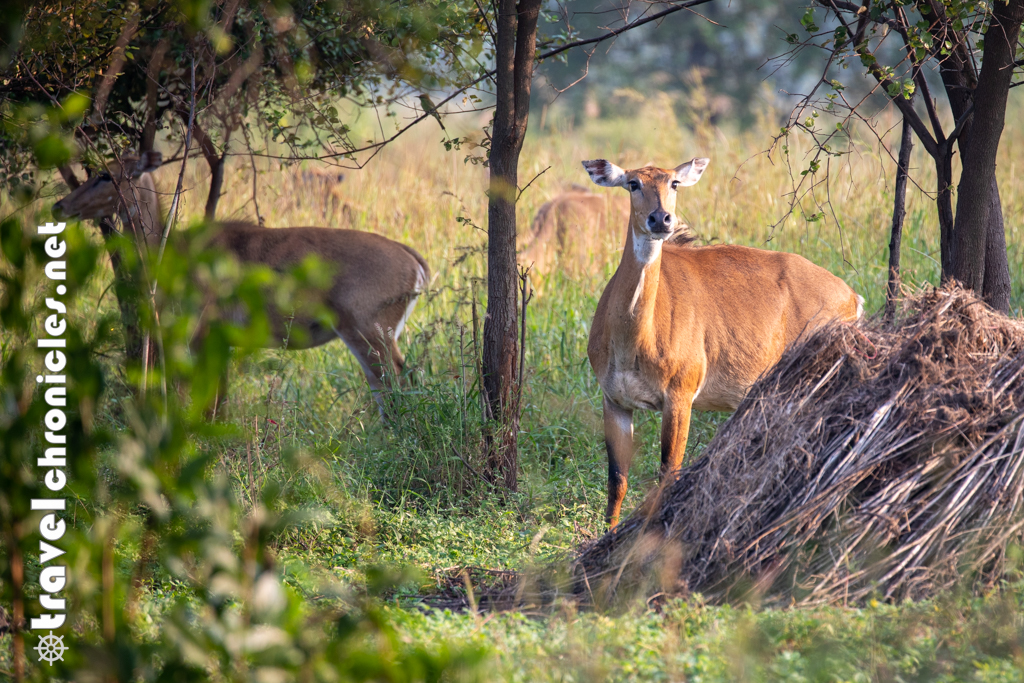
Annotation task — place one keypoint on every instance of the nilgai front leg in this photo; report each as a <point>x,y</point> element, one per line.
<point>675,429</point>
<point>618,439</point>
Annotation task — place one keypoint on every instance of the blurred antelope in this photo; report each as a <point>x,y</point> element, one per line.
<point>575,229</point>
<point>375,286</point>
<point>681,327</point>
<point>322,188</point>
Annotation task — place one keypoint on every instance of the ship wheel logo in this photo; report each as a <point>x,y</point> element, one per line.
<point>51,648</point>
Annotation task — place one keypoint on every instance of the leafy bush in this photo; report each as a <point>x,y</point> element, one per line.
<point>162,515</point>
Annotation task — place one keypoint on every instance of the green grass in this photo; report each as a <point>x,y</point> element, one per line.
<point>409,496</point>
<point>976,640</point>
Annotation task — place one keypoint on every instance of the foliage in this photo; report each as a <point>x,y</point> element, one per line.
<point>230,616</point>
<point>274,72</point>
<point>898,45</point>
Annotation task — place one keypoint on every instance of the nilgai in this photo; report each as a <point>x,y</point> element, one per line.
<point>681,327</point>
<point>376,281</point>
<point>574,231</point>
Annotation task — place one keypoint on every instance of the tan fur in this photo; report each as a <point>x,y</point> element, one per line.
<point>573,231</point>
<point>126,190</point>
<point>692,327</point>
<point>375,284</point>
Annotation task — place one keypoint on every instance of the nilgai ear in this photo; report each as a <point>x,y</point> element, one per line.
<point>148,162</point>
<point>605,173</point>
<point>690,172</point>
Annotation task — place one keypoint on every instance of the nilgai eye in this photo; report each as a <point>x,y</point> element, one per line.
<point>633,186</point>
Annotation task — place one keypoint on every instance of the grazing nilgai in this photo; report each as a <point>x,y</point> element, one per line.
<point>375,284</point>
<point>574,230</point>
<point>681,327</point>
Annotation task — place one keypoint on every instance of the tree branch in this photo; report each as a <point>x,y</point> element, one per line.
<point>622,29</point>
<point>907,109</point>
<point>904,105</point>
<point>918,75</point>
<point>117,60</point>
<point>837,5</point>
<point>376,146</point>
<point>961,122</point>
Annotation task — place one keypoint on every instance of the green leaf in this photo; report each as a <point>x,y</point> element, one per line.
<point>75,105</point>
<point>807,21</point>
<point>52,150</point>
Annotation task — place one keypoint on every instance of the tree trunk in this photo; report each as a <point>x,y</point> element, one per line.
<point>974,199</point>
<point>156,60</point>
<point>515,48</point>
<point>128,291</point>
<point>944,203</point>
<point>997,267</point>
<point>214,160</point>
<point>899,211</point>
<point>126,287</point>
<point>960,79</point>
<point>216,185</point>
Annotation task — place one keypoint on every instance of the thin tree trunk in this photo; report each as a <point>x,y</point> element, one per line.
<point>216,185</point>
<point>975,195</point>
<point>128,291</point>
<point>515,48</point>
<point>959,80</point>
<point>152,96</point>
<point>126,287</point>
<point>944,205</point>
<point>899,211</point>
<point>214,160</point>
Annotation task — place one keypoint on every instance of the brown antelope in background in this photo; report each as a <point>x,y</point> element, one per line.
<point>575,230</point>
<point>374,288</point>
<point>321,188</point>
<point>681,327</point>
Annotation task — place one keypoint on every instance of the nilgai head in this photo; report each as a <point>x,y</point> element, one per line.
<point>652,193</point>
<point>124,189</point>
<point>317,176</point>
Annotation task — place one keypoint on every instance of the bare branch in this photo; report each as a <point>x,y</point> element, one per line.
<point>117,60</point>
<point>181,175</point>
<point>964,118</point>
<point>622,29</point>
<point>918,76</point>
<point>525,187</point>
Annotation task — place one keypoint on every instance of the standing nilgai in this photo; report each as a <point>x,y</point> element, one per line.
<point>373,291</point>
<point>681,327</point>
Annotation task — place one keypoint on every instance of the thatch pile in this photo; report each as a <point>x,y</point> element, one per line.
<point>873,460</point>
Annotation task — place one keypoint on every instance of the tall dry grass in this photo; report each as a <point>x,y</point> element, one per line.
<point>414,191</point>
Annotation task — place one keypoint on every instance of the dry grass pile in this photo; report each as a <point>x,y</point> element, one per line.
<point>874,460</point>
